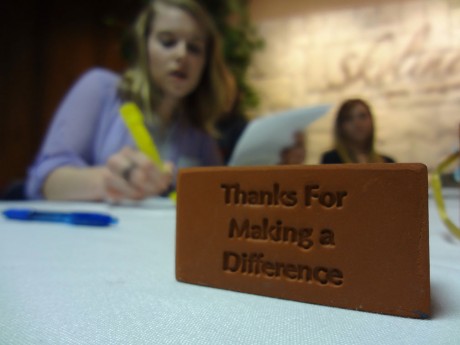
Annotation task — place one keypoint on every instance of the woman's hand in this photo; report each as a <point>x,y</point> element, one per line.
<point>132,175</point>
<point>294,154</point>
<point>128,175</point>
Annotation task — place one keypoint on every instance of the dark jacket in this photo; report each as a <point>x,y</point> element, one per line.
<point>333,157</point>
<point>230,129</point>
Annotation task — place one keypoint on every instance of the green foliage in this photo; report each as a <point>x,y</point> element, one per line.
<point>240,40</point>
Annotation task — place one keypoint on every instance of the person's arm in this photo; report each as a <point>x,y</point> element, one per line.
<point>86,184</point>
<point>129,174</point>
<point>64,168</point>
<point>70,137</point>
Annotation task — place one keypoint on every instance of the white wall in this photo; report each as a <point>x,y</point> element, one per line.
<point>401,56</point>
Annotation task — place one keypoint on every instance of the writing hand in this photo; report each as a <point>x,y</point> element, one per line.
<point>132,175</point>
<point>294,154</point>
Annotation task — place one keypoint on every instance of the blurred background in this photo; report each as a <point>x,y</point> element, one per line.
<point>401,56</point>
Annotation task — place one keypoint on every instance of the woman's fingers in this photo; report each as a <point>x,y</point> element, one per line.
<point>150,180</point>
<point>117,188</point>
<point>299,139</point>
<point>294,154</point>
<point>134,176</point>
<point>147,176</point>
<point>121,163</point>
<point>119,171</point>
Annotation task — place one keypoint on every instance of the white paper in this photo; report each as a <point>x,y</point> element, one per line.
<point>265,137</point>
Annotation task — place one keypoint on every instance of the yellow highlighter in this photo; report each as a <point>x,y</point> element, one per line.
<point>436,185</point>
<point>134,121</point>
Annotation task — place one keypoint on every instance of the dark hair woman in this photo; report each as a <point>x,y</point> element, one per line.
<point>354,136</point>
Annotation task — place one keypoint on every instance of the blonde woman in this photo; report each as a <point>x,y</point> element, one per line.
<point>354,136</point>
<point>178,79</point>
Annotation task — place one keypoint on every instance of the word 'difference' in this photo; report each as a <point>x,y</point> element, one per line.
<point>254,264</point>
<point>349,236</point>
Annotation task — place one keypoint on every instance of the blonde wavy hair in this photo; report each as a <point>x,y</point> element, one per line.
<point>213,95</point>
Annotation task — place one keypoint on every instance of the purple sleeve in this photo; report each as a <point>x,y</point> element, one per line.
<point>70,137</point>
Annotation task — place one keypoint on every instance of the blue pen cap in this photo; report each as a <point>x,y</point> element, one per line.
<point>92,219</point>
<point>19,213</point>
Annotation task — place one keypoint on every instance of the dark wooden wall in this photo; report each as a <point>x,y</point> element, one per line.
<point>44,46</point>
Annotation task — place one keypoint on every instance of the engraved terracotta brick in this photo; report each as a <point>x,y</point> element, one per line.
<point>348,236</point>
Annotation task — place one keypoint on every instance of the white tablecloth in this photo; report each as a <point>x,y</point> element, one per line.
<point>62,284</point>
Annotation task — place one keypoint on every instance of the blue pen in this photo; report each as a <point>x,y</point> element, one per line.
<point>76,218</point>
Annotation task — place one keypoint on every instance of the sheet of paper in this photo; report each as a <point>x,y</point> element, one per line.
<point>265,137</point>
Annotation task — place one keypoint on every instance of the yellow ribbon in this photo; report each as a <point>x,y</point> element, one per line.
<point>436,185</point>
<point>134,121</point>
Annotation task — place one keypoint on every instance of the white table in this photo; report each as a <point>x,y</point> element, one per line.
<point>61,284</point>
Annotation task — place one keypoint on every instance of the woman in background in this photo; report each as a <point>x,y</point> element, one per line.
<point>179,81</point>
<point>354,136</point>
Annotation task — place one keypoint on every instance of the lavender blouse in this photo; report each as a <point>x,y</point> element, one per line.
<point>87,129</point>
